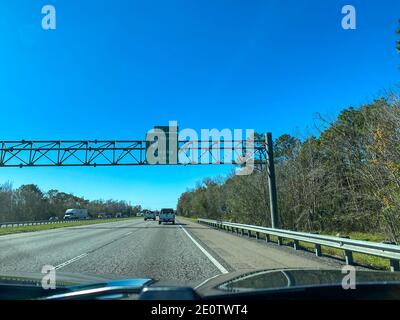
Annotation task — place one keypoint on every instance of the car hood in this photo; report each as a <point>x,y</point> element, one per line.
<point>235,282</point>
<point>277,279</point>
<point>62,279</point>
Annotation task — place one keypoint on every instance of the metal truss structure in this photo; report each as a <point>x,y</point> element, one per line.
<point>125,153</point>
<point>94,153</point>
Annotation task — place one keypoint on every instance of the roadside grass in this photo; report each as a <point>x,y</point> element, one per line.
<point>359,258</point>
<point>193,219</point>
<point>22,229</point>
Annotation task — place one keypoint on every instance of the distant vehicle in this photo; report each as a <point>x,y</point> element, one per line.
<point>76,214</point>
<point>166,215</point>
<point>53,219</point>
<point>118,215</point>
<point>150,215</point>
<point>140,214</point>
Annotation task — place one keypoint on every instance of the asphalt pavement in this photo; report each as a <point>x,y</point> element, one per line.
<point>186,253</point>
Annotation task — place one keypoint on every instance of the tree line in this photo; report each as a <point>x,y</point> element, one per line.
<point>29,202</point>
<point>345,178</point>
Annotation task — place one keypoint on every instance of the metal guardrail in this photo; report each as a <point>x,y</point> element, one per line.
<point>34,223</point>
<point>388,251</point>
<point>42,222</point>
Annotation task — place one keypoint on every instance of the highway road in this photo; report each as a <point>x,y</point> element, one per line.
<point>183,254</point>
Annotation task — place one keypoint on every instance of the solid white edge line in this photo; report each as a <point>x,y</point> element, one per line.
<point>209,256</point>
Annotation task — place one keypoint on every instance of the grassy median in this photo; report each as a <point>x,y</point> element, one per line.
<point>11,230</point>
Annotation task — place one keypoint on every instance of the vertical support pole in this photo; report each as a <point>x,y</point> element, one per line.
<point>349,257</point>
<point>394,265</point>
<point>279,241</point>
<point>318,251</point>
<point>273,202</point>
<point>257,235</point>
<point>267,238</point>
<point>296,244</point>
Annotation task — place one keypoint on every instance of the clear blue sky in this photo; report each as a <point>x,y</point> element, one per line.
<point>114,69</point>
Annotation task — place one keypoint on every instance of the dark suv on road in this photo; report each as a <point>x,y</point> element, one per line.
<point>167,215</point>
<point>149,215</point>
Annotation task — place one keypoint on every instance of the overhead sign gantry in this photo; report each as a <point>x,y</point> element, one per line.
<point>162,146</point>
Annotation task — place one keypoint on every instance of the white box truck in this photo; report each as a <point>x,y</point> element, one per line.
<point>76,214</point>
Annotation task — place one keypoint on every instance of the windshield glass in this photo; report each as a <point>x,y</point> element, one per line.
<point>195,143</point>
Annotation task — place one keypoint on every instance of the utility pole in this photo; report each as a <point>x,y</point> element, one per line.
<point>273,202</point>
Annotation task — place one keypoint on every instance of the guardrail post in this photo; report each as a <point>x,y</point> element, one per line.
<point>394,265</point>
<point>349,257</point>
<point>267,238</point>
<point>296,244</point>
<point>249,233</point>
<point>257,235</point>
<point>241,232</point>
<point>318,251</point>
<point>279,241</point>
